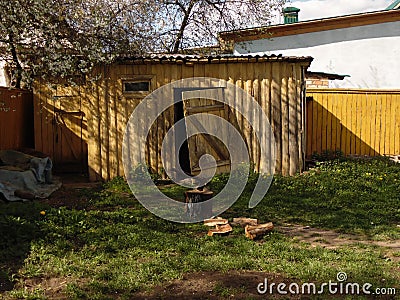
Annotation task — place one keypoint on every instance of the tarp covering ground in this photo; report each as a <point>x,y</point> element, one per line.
<point>23,176</point>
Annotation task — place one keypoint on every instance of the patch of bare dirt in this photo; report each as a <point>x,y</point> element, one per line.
<point>53,288</point>
<point>215,285</point>
<point>71,194</point>
<point>331,240</point>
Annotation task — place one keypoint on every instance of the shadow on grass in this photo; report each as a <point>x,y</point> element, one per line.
<point>18,228</point>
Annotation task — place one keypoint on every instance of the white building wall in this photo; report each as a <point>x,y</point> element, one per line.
<point>369,54</point>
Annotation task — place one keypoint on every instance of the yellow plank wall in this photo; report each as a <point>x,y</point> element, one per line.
<point>356,122</point>
<point>276,85</point>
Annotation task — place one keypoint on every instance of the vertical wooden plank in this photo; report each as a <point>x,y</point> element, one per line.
<point>276,113</point>
<point>397,124</point>
<point>315,129</point>
<point>257,68</point>
<point>378,124</point>
<point>52,129</point>
<point>197,144</point>
<point>324,122</point>
<point>353,124</point>
<point>388,125</point>
<point>389,143</point>
<point>301,115</point>
<point>330,123</point>
<point>339,127</point>
<point>333,135</point>
<point>105,132</point>
<point>309,124</point>
<point>343,126</point>
<point>347,101</point>
<point>226,112</point>
<point>121,118</point>
<point>285,120</point>
<point>366,126</point>
<point>246,128</point>
<point>265,102</point>
<point>382,136</point>
<point>320,124</point>
<point>153,156</point>
<point>250,80</point>
<point>37,111</point>
<point>365,122</point>
<point>359,126</point>
<point>346,106</point>
<point>95,160</point>
<point>372,118</point>
<point>247,86</point>
<point>114,140</point>
<point>393,124</point>
<point>176,73</point>
<point>294,121</point>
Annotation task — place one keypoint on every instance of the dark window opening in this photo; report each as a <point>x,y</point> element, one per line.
<point>137,86</point>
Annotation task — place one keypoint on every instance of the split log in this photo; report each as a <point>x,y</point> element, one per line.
<point>257,231</point>
<point>220,229</point>
<point>244,221</point>
<point>216,221</point>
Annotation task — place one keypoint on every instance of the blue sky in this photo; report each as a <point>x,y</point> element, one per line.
<point>316,9</point>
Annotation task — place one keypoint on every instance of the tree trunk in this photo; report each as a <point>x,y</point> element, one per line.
<point>185,22</point>
<point>18,71</point>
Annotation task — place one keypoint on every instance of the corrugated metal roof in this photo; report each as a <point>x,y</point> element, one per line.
<point>180,58</point>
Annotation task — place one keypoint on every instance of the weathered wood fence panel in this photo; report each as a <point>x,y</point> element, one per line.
<point>16,119</point>
<point>356,122</point>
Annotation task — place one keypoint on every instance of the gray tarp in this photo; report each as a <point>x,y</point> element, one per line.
<point>24,176</point>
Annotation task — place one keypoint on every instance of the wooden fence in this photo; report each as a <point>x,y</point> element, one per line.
<point>16,119</point>
<point>356,122</point>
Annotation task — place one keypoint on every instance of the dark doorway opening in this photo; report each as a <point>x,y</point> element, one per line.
<point>179,114</point>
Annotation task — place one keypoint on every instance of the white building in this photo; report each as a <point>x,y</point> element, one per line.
<point>364,46</point>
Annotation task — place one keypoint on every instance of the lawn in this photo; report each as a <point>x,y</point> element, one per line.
<point>105,245</point>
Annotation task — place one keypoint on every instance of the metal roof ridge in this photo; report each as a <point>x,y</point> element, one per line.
<point>386,11</point>
<point>167,56</point>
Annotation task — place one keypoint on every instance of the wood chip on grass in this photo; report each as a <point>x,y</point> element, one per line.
<point>216,221</point>
<point>220,229</point>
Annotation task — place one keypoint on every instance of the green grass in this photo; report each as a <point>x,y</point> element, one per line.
<point>353,196</point>
<point>116,247</point>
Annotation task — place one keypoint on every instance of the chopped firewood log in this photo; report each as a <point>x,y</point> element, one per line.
<point>220,229</point>
<point>257,231</point>
<point>244,221</point>
<point>216,221</point>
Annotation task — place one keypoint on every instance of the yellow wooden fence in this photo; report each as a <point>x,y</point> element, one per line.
<point>355,121</point>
